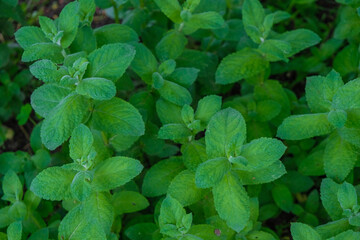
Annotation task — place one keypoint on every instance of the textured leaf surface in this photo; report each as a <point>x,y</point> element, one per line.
<point>211,172</point>
<point>301,231</point>
<point>97,88</point>
<point>328,194</point>
<point>129,201</point>
<point>81,142</point>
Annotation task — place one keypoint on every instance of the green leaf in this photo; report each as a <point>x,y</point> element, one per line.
<point>232,202</point>
<point>265,175</point>
<point>162,173</point>
<point>275,50</point>
<point>12,187</point>
<point>174,131</point>
<point>347,60</point>
<point>11,2</point>
<point>348,235</point>
<point>28,36</point>
<point>84,41</point>
<point>244,64</point>
<point>348,96</point>
<point>211,172</point>
<point>193,154</point>
<point>171,8</point>
<point>320,91</point>
<point>81,142</point>
<point>128,202</point>
<point>283,197</point>
<point>183,188</point>
<point>47,71</point>
<point>184,76</point>
<point>78,224</point>
<point>63,119</point>
<point>300,127</point>
<point>42,234</point>
<point>97,88</point>
<point>328,194</point>
<point>14,231</point>
<point>253,19</point>
<point>110,61</point>
<point>205,20</point>
<point>337,118</point>
<point>68,22</point>
<point>53,184</point>
<point>262,153</point>
<point>118,117</point>
<point>144,63</point>
<point>175,93</point>
<point>48,26</point>
<point>47,97</point>
<point>172,213</point>
<point>115,172</point>
<point>207,107</point>
<point>299,39</point>
<point>225,134</point>
<point>340,157</point>
<point>301,231</point>
<point>346,196</point>
<point>115,33</point>
<point>260,235</point>
<point>24,114</point>
<point>50,51</point>
<point>80,186</point>
<point>171,46</point>
<point>141,231</point>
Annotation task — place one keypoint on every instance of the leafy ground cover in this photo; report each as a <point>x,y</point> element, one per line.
<point>173,119</point>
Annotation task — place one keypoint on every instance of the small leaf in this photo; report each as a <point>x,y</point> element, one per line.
<point>81,142</point>
<point>47,71</point>
<point>207,107</point>
<point>14,231</point>
<point>115,33</point>
<point>115,172</point>
<point>68,22</point>
<point>12,187</point>
<point>232,202</point>
<point>28,36</point>
<point>347,196</point>
<point>175,93</point>
<point>128,202</point>
<point>174,131</point>
<point>211,172</point>
<point>50,51</point>
<point>328,194</point>
<point>171,8</point>
<point>301,231</point>
<point>171,45</point>
<point>283,197</point>
<point>97,88</point>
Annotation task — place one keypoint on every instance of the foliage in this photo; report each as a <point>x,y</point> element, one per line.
<point>190,120</point>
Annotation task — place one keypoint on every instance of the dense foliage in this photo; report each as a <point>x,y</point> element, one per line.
<point>181,119</point>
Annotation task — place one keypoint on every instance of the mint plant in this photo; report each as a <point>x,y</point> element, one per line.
<point>179,120</point>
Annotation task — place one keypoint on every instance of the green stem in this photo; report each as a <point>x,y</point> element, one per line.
<point>116,11</point>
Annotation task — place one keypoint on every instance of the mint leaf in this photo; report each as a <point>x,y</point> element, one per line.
<point>225,134</point>
<point>346,196</point>
<point>81,142</point>
<point>118,117</point>
<point>63,119</point>
<point>349,91</point>
<point>53,184</point>
<point>301,231</point>
<point>128,202</point>
<point>244,64</point>
<point>97,88</point>
<point>283,197</point>
<point>28,36</point>
<point>68,23</point>
<point>12,187</point>
<point>47,97</point>
<point>14,231</point>
<point>184,76</point>
<point>50,51</point>
<point>174,131</point>
<point>114,172</point>
<point>253,18</point>
<point>110,61</point>
<point>328,194</point>
<point>47,71</point>
<point>211,172</point>
<point>171,8</point>
<point>207,107</point>
<point>175,93</point>
<point>311,125</point>
<point>115,33</point>
<point>232,202</point>
<point>171,45</point>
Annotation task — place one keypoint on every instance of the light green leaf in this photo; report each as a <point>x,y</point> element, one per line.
<point>50,51</point>
<point>115,33</point>
<point>232,202</point>
<point>337,118</point>
<point>171,8</point>
<point>346,196</point>
<point>339,158</point>
<point>253,18</point>
<point>97,88</point>
<point>244,64</point>
<point>299,39</point>
<point>183,188</point>
<point>300,127</point>
<point>348,96</point>
<point>301,231</point>
<point>211,172</point>
<point>12,187</point>
<point>262,153</point>
<point>174,131</point>
<point>28,36</point>
<point>320,91</point>
<point>53,184</point>
<point>162,173</point>
<point>47,71</point>
<point>193,153</point>
<point>110,61</point>
<point>80,186</point>
<point>204,20</point>
<point>118,117</point>
<point>275,50</point>
<point>265,175</point>
<point>171,45</point>
<point>144,63</point>
<point>128,202</point>
<point>175,93</point>
<point>47,97</point>
<point>115,172</point>
<point>328,194</point>
<point>141,231</point>
<point>81,142</point>
<point>348,235</point>
<point>68,22</point>
<point>184,76</point>
<point>14,231</point>
<point>207,107</point>
<point>225,134</point>
<point>48,26</point>
<point>63,119</point>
